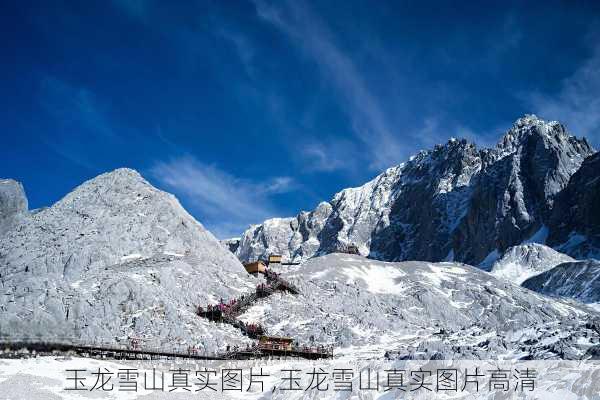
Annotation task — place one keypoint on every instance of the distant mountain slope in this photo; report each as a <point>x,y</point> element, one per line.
<point>524,261</point>
<point>422,310</point>
<point>230,244</point>
<point>579,280</point>
<point>453,202</point>
<point>575,219</point>
<point>115,258</point>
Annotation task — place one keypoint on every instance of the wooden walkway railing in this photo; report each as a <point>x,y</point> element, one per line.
<point>21,349</point>
<point>228,312</point>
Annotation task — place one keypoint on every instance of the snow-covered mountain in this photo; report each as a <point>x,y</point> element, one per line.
<point>579,280</point>
<point>423,310</point>
<point>524,261</point>
<point>471,205</point>
<point>116,258</point>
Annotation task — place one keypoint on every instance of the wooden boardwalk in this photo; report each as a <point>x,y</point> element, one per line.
<point>20,349</point>
<point>23,349</point>
<point>228,312</point>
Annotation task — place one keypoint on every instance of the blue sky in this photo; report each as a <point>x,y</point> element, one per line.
<point>248,110</point>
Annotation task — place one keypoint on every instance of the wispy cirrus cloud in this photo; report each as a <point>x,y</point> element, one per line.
<point>73,105</point>
<point>369,122</point>
<point>243,47</point>
<point>577,103</point>
<point>226,204</point>
<point>78,120</point>
<point>329,155</point>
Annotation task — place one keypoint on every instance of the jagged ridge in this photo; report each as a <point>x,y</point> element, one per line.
<point>471,204</point>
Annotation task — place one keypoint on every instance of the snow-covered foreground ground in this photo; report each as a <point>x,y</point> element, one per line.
<point>48,378</point>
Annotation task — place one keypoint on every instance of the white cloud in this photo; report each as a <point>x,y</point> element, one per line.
<point>79,121</point>
<point>369,122</point>
<point>329,155</point>
<point>242,46</point>
<point>319,159</point>
<point>577,103</point>
<point>226,204</point>
<point>73,106</point>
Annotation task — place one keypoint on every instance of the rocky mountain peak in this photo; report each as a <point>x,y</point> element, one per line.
<point>114,217</point>
<point>475,203</point>
<point>108,187</point>
<point>530,129</point>
<point>115,246</point>
<point>449,151</point>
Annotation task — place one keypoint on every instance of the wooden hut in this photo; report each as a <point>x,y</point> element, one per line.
<point>275,343</point>
<point>274,259</point>
<point>256,267</point>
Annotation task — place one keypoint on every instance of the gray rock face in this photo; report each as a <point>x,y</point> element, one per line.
<point>524,261</point>
<point>579,280</point>
<point>231,244</point>
<point>295,238</point>
<point>115,258</point>
<point>514,195</point>
<point>13,204</point>
<point>418,309</point>
<point>450,203</point>
<point>575,220</point>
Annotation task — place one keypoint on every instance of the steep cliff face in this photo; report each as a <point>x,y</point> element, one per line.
<point>575,220</point>
<point>579,280</point>
<point>453,202</point>
<point>428,203</point>
<point>13,204</point>
<point>115,258</point>
<point>514,195</point>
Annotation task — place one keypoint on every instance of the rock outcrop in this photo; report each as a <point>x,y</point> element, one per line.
<point>13,204</point>
<point>231,244</point>
<point>575,220</point>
